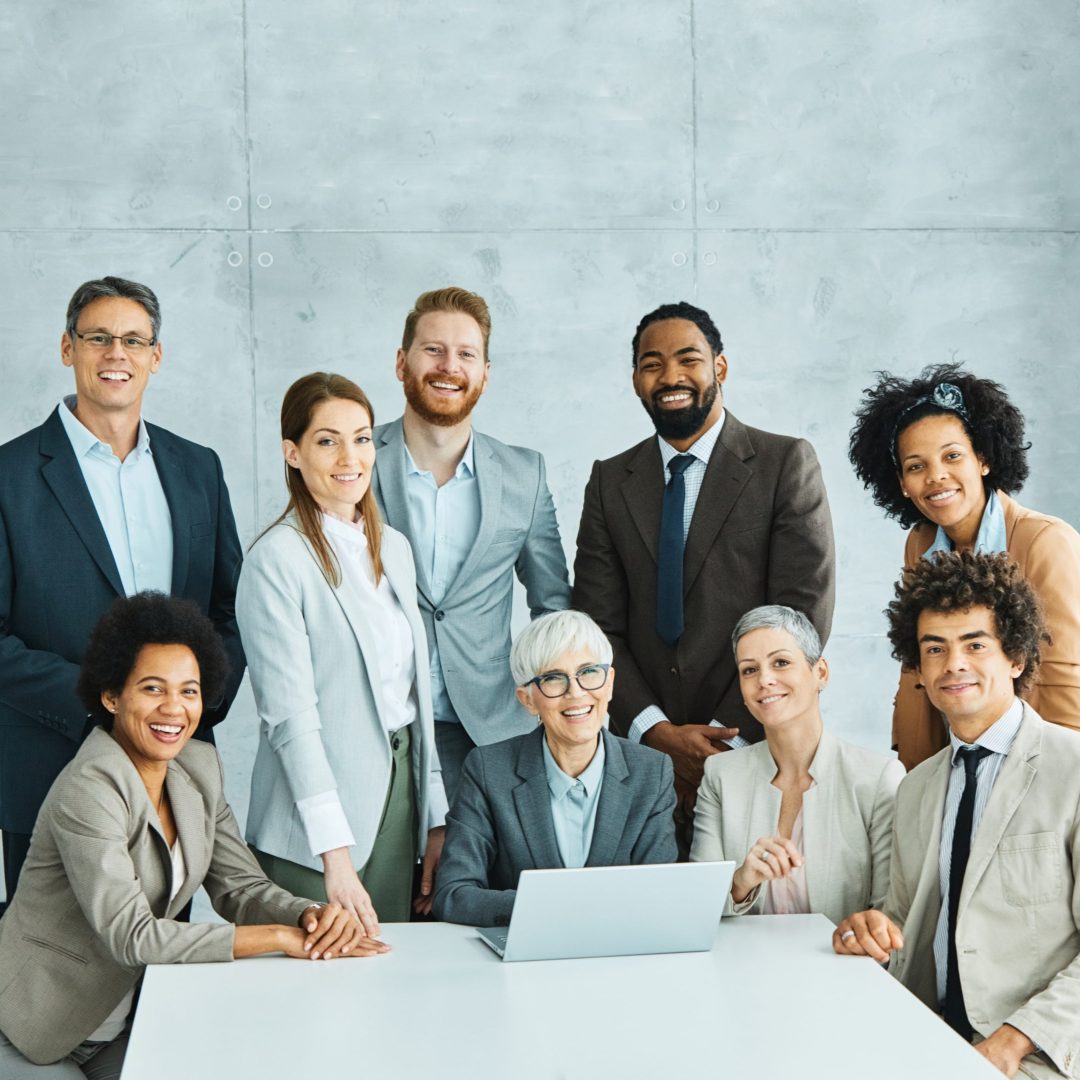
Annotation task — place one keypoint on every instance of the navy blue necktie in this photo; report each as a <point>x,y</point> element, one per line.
<point>669,569</point>
<point>953,1008</point>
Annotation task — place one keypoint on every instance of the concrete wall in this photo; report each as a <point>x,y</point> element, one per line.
<point>846,187</point>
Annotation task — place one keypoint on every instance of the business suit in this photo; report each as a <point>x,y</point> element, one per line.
<point>470,624</point>
<point>847,821</point>
<point>1047,550</point>
<point>57,578</point>
<point>1018,925</point>
<point>314,662</point>
<point>761,534</point>
<point>501,823</point>
<point>93,907</point>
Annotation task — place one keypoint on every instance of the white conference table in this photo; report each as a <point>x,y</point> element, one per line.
<point>770,1000</point>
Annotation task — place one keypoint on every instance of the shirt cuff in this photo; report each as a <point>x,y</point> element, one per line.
<point>736,743</point>
<point>437,805</point>
<point>324,821</point>
<point>648,718</point>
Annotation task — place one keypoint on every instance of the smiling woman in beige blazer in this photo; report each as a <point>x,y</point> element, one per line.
<point>130,829</point>
<point>808,816</point>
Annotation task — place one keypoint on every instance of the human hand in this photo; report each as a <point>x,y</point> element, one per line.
<point>769,858</point>
<point>688,745</point>
<point>1006,1048</point>
<point>343,887</point>
<point>432,853</point>
<point>867,933</point>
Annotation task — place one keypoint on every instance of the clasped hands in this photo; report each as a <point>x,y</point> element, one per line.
<point>769,858</point>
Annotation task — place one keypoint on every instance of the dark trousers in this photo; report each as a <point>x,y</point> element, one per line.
<point>16,845</point>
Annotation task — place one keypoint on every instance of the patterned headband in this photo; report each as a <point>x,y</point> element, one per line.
<point>945,396</point>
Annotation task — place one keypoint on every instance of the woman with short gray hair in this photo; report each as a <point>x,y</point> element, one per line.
<point>807,816</point>
<point>569,794</point>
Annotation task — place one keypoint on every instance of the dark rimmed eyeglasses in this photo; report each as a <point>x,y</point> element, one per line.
<point>128,342</point>
<point>553,684</point>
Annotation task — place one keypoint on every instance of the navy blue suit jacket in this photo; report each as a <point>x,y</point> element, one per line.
<point>58,576</point>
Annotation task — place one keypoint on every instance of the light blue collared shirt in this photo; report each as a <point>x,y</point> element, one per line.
<point>999,738</point>
<point>443,524</point>
<point>573,805</point>
<point>991,536</point>
<point>130,504</point>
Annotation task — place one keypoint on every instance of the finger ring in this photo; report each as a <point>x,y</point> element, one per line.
<point>764,855</point>
<point>846,934</point>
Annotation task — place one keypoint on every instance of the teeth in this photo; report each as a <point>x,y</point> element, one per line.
<point>347,478</point>
<point>578,712</point>
<point>939,495</point>
<point>115,376</point>
<point>167,729</point>
<point>446,385</point>
<point>675,397</point>
<point>771,698</point>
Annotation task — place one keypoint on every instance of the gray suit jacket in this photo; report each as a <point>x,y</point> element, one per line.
<point>314,662</point>
<point>761,534</point>
<point>501,823</point>
<point>847,821</point>
<point>471,624</point>
<point>92,908</point>
<point>1018,928</point>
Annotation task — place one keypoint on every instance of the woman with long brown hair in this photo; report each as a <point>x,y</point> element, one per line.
<point>346,792</point>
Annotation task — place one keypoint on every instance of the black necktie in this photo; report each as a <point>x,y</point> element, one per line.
<point>953,1008</point>
<point>669,577</point>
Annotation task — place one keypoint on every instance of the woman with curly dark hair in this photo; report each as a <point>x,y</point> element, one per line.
<point>943,454</point>
<point>130,829</point>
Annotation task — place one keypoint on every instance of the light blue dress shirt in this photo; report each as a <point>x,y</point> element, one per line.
<point>991,538</point>
<point>443,525</point>
<point>573,805</point>
<point>130,504</point>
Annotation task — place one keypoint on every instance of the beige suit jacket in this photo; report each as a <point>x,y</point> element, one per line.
<point>92,908</point>
<point>1018,927</point>
<point>847,821</point>
<point>1047,550</point>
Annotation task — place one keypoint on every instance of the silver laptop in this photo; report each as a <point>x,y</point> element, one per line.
<point>614,911</point>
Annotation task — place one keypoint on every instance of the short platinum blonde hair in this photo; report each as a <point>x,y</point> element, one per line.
<point>779,617</point>
<point>544,640</point>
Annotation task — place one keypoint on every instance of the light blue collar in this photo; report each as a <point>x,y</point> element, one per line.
<point>701,449</point>
<point>465,465</point>
<point>991,537</point>
<point>559,783</point>
<point>998,737</point>
<point>83,440</point>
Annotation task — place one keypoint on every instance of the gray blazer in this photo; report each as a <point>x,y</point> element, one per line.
<point>1018,928</point>
<point>847,821</point>
<point>315,672</point>
<point>471,624</point>
<point>92,908</point>
<point>501,823</point>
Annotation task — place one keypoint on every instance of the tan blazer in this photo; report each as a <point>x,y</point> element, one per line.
<point>1018,927</point>
<point>1047,550</point>
<point>847,821</point>
<point>92,908</point>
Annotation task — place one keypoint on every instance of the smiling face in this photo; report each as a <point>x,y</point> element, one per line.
<point>966,672</point>
<point>335,455</point>
<point>677,379</point>
<point>942,475</point>
<point>159,707</point>
<point>444,371</point>
<point>110,380</point>
<point>575,719</point>
<point>779,685</point>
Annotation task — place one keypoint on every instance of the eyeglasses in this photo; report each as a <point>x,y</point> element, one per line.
<point>128,342</point>
<point>553,684</point>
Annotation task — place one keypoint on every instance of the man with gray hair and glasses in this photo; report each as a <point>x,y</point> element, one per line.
<point>95,504</point>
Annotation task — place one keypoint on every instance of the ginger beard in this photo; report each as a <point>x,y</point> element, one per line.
<point>436,408</point>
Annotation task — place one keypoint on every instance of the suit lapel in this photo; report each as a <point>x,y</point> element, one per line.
<point>725,477</point>
<point>191,816</point>
<point>613,808</point>
<point>175,484</point>
<point>489,477</point>
<point>65,480</point>
<point>532,801</point>
<point>643,490</point>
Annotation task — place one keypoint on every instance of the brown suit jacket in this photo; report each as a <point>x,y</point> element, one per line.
<point>1047,550</point>
<point>761,534</point>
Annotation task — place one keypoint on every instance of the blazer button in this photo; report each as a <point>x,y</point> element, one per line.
<point>440,615</point>
<point>674,670</point>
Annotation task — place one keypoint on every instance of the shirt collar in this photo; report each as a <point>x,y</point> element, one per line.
<point>991,538</point>
<point>998,737</point>
<point>83,440</point>
<point>559,783</point>
<point>351,531</point>
<point>464,468</point>
<point>702,448</point>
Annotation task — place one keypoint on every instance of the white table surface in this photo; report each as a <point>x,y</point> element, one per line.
<point>770,1000</point>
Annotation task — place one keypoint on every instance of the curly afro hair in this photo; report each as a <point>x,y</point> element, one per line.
<point>148,618</point>
<point>682,310</point>
<point>959,581</point>
<point>994,425</point>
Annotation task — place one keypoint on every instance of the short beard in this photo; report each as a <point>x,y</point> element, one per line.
<point>452,412</point>
<point>681,423</point>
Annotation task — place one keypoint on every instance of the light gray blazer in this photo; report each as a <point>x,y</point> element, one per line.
<point>92,908</point>
<point>471,625</point>
<point>314,668</point>
<point>847,821</point>
<point>501,823</point>
<point>1018,927</point>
